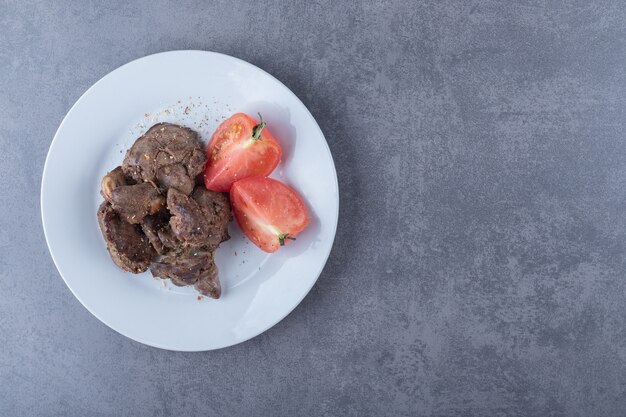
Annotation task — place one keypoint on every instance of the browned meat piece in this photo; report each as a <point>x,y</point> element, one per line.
<point>169,240</point>
<point>175,176</point>
<point>209,283</point>
<point>151,225</point>
<point>134,202</point>
<point>194,266</point>
<point>216,209</point>
<point>111,181</point>
<point>182,270</point>
<point>128,247</point>
<point>187,222</point>
<point>164,144</point>
<point>199,220</point>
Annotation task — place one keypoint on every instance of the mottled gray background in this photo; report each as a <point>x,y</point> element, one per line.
<point>479,267</point>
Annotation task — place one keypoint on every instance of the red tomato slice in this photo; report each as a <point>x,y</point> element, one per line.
<point>270,213</point>
<point>241,147</point>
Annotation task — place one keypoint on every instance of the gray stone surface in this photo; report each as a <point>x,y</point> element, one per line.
<point>479,266</point>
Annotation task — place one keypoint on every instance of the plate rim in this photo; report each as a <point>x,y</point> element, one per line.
<point>45,176</point>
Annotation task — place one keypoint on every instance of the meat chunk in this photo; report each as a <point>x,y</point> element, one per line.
<point>111,181</point>
<point>216,209</point>
<point>187,222</point>
<point>209,283</point>
<point>195,266</point>
<point>181,269</point>
<point>134,202</point>
<point>174,176</point>
<point>162,145</point>
<point>128,246</point>
<point>199,220</point>
<point>151,225</point>
<point>169,240</point>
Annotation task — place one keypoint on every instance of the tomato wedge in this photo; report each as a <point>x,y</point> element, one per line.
<point>240,147</point>
<point>269,212</point>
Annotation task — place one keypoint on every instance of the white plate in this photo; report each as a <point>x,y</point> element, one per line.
<point>196,89</point>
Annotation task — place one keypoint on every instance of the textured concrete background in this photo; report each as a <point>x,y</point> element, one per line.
<point>479,267</point>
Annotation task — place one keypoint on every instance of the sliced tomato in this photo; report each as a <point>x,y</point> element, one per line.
<point>269,212</point>
<point>241,147</point>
